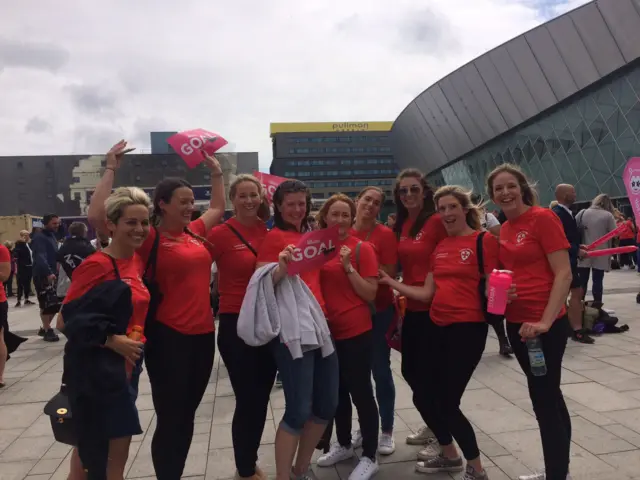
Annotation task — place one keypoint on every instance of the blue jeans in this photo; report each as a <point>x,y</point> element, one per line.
<point>597,288</point>
<point>310,387</point>
<point>385,387</point>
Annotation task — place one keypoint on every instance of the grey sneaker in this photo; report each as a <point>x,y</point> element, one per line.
<point>430,451</point>
<point>308,475</point>
<point>440,464</point>
<point>421,437</point>
<point>471,474</point>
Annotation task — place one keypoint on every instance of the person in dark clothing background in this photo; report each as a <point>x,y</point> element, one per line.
<point>75,248</point>
<point>8,283</point>
<point>45,251</point>
<point>24,259</point>
<point>566,196</point>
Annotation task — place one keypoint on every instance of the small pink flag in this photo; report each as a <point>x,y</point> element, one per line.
<point>190,144</point>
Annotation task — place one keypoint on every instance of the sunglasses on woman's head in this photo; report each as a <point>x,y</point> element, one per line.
<point>413,189</point>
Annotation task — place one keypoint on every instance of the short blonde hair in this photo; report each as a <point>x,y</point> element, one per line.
<point>122,198</point>
<point>9,244</point>
<point>464,198</point>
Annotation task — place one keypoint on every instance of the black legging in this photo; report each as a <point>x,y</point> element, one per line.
<point>25,274</point>
<point>179,368</point>
<point>453,352</point>
<point>355,359</point>
<point>414,331</point>
<point>548,403</point>
<point>252,371</point>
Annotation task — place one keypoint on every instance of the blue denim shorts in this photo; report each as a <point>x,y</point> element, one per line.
<point>122,414</point>
<point>310,387</point>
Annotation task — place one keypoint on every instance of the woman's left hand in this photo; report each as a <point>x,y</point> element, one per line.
<point>511,293</point>
<point>345,256</point>
<point>531,330</point>
<point>212,163</point>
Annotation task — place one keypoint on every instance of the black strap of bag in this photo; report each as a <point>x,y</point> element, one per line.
<point>149,280</point>
<point>115,266</point>
<point>490,318</point>
<point>237,234</point>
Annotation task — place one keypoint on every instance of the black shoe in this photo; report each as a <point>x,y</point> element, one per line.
<point>505,349</point>
<point>581,336</point>
<point>41,332</point>
<point>18,305</point>
<point>28,302</point>
<point>50,336</point>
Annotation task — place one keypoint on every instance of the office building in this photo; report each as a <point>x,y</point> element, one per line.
<point>562,101</point>
<point>335,157</point>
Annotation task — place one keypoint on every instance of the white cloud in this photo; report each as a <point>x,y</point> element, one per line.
<point>94,71</point>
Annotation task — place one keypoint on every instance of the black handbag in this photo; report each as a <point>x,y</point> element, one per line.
<point>58,409</point>
<point>51,300</point>
<point>149,280</point>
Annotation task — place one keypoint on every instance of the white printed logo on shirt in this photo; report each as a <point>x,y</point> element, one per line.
<point>465,253</point>
<point>521,236</point>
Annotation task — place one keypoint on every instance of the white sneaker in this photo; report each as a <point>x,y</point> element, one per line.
<point>386,444</point>
<point>421,437</point>
<point>432,450</point>
<point>366,469</point>
<point>356,439</point>
<point>534,476</point>
<point>337,453</point>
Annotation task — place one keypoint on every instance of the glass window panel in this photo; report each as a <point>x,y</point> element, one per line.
<point>549,166</point>
<point>610,187</point>
<point>573,116</point>
<point>634,79</point>
<point>624,94</point>
<point>567,174</point>
<point>587,186</point>
<point>558,121</point>
<point>553,145</point>
<point>518,156</point>
<point>566,139</point>
<point>577,162</point>
<point>617,124</point>
<point>606,103</point>
<point>633,117</point>
<point>588,109</point>
<point>598,129</point>
<point>539,147</point>
<point>507,157</point>
<point>528,151</point>
<point>607,149</point>
<point>581,134</point>
<point>628,147</point>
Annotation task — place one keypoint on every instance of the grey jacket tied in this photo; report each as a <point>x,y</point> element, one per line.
<point>287,310</point>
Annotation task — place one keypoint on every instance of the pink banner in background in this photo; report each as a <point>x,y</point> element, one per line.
<point>314,250</point>
<point>190,144</point>
<point>631,178</point>
<point>269,183</point>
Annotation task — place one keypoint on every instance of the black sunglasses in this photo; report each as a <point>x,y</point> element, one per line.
<point>404,191</point>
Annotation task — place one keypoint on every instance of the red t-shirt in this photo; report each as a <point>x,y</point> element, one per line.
<point>454,264</point>
<point>524,245</point>
<point>275,241</point>
<point>184,275</point>
<point>348,315</point>
<point>385,245</point>
<point>98,268</point>
<point>235,262</point>
<point>5,257</point>
<point>415,254</point>
<point>629,235</point>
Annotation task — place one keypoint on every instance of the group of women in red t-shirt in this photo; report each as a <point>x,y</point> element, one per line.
<point>435,246</point>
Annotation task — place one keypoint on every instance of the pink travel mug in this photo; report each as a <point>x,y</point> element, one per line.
<point>499,283</point>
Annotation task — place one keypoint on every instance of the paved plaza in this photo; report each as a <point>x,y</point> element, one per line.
<point>601,384</point>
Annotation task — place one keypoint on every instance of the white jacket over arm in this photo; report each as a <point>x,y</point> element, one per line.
<point>288,311</point>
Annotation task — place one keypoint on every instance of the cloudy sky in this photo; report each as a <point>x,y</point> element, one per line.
<point>77,75</point>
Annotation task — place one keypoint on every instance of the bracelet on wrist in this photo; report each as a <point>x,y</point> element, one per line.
<point>110,168</point>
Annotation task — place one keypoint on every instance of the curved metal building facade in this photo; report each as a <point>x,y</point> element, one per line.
<point>562,101</point>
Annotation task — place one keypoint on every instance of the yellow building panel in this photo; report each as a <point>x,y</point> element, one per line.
<point>330,127</point>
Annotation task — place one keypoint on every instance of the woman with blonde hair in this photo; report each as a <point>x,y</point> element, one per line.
<point>456,332</point>
<point>234,246</point>
<point>534,247</point>
<point>595,222</point>
<point>103,450</point>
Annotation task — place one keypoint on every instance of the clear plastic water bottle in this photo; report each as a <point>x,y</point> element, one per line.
<point>536,357</point>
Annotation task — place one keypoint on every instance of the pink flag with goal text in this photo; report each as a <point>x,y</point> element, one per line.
<point>191,143</point>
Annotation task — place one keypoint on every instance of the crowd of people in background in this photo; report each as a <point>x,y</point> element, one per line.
<point>141,294</point>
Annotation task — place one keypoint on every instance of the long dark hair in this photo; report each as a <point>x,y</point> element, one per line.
<point>428,207</point>
<point>163,193</point>
<point>286,187</point>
